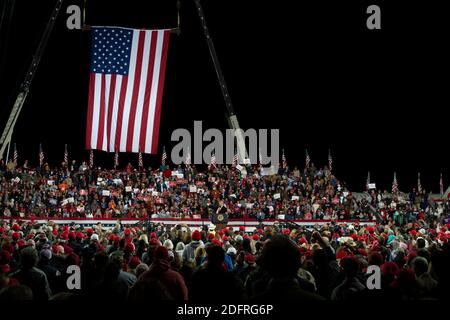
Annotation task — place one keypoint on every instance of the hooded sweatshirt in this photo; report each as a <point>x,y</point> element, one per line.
<point>172,280</point>
<point>189,250</point>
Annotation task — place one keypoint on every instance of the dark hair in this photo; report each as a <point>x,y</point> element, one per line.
<point>375,258</point>
<point>280,257</point>
<point>16,293</point>
<point>349,266</point>
<point>216,255</point>
<point>420,243</point>
<point>28,257</point>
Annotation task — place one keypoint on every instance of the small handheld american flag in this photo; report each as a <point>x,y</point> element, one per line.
<point>116,159</point>
<point>41,156</point>
<point>188,157</point>
<point>15,156</point>
<point>283,159</point>
<point>91,159</point>
<point>213,164</point>
<point>307,159</point>
<point>368,181</point>
<point>419,186</point>
<point>330,160</point>
<point>140,160</point>
<point>66,155</point>
<point>235,158</point>
<point>260,157</point>
<point>395,184</point>
<point>164,157</point>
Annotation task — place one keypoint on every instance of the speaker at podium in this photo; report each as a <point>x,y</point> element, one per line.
<point>220,217</point>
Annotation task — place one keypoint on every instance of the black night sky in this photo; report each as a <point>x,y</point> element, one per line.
<point>377,98</point>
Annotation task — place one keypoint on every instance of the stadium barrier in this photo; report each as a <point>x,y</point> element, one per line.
<point>249,224</point>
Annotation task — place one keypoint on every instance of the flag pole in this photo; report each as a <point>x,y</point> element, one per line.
<point>176,30</point>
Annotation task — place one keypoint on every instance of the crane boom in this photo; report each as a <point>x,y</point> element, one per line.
<point>5,138</point>
<point>231,117</point>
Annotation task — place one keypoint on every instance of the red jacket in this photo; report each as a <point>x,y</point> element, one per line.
<point>172,280</point>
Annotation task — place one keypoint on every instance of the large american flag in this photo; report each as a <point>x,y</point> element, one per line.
<point>126,87</point>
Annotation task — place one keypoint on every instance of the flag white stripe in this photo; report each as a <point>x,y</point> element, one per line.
<point>129,95</point>
<point>105,130</point>
<point>115,112</point>
<point>154,90</point>
<point>96,111</point>
<point>141,95</point>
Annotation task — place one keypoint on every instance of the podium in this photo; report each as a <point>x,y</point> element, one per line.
<point>220,220</point>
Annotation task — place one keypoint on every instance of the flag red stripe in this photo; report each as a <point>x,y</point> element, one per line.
<point>90,110</point>
<point>162,73</point>
<point>112,92</point>
<point>148,89</point>
<point>123,93</point>
<point>101,127</point>
<point>136,88</point>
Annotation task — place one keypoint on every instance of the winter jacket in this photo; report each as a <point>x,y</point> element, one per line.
<point>189,251</point>
<point>172,280</point>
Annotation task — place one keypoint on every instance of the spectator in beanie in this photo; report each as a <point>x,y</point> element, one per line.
<point>31,276</point>
<point>281,259</point>
<point>189,250</point>
<point>50,271</point>
<point>160,270</point>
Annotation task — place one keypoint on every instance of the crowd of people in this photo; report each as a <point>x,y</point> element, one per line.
<point>409,241</point>
<point>281,262</point>
<point>78,191</point>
